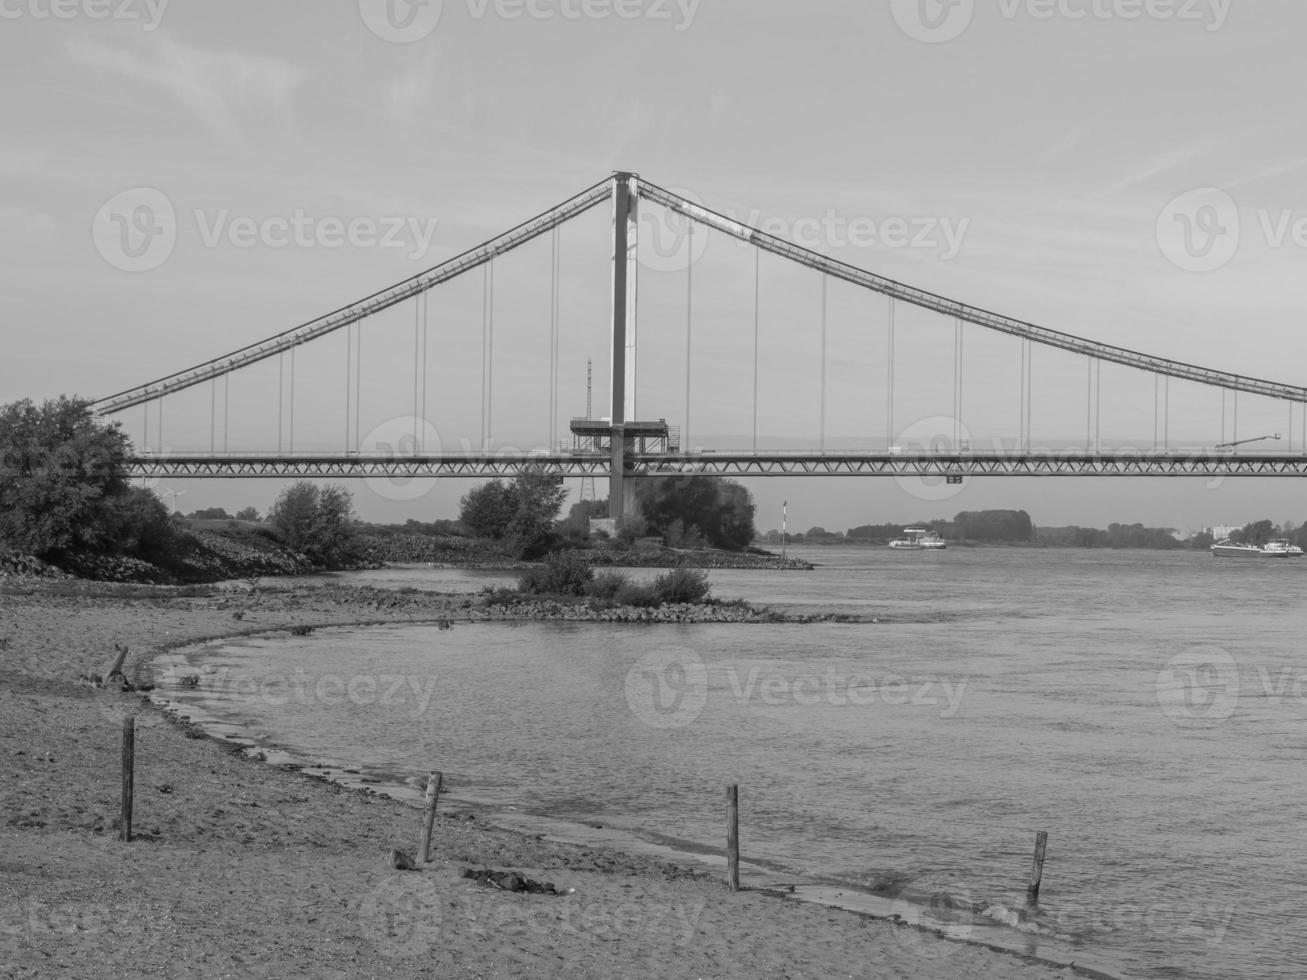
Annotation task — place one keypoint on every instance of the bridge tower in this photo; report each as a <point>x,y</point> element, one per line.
<point>621,488</point>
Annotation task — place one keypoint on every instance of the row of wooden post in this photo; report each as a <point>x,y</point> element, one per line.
<point>436,781</point>
<point>733,848</point>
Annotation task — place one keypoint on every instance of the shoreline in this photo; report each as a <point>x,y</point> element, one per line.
<point>251,849</point>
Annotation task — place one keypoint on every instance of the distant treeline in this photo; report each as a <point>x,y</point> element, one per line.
<point>990,526</point>
<point>1015,527</point>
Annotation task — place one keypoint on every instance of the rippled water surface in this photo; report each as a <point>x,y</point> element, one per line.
<point>1147,709</point>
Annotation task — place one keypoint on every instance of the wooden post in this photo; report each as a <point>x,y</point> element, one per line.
<point>1037,869</point>
<point>129,764</point>
<point>117,667</point>
<point>733,837</point>
<point>429,815</point>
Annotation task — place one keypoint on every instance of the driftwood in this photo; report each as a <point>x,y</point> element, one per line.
<point>511,881</point>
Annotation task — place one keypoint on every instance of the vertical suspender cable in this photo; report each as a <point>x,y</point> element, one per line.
<point>957,384</point>
<point>145,435</point>
<point>689,320</point>
<point>757,258</point>
<point>213,415</point>
<point>1021,383</point>
<point>349,377</point>
<point>889,392</point>
<point>358,386</point>
<point>281,396</point>
<point>1089,403</point>
<point>821,442</point>
<point>226,405</point>
<point>490,353</point>
<point>417,350</point>
<point>1222,415</point>
<point>160,425</point>
<point>1157,395</point>
<point>290,433</point>
<point>553,340</point>
<point>1098,408</point>
<point>1234,433</point>
<point>426,360</point>
<point>1166,414</point>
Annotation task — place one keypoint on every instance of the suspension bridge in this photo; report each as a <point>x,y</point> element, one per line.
<point>622,447</point>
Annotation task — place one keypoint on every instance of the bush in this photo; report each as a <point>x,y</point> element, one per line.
<point>683,584</point>
<point>563,573</point>
<point>637,594</point>
<point>606,585</point>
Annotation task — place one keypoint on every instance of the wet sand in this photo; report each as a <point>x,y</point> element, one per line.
<point>240,869</point>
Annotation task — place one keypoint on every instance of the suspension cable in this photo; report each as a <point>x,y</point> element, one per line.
<point>821,443</point>
<point>757,259</point>
<point>689,321</point>
<point>889,394</point>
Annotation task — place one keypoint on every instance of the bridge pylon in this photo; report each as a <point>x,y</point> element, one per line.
<point>621,486</point>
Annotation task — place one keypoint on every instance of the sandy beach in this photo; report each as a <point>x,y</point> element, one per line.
<point>240,869</point>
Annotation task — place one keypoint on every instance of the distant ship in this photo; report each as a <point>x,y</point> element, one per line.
<point>918,539</point>
<point>1279,548</point>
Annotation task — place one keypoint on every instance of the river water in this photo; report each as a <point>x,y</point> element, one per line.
<point>1148,710</point>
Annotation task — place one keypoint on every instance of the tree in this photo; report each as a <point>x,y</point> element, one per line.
<point>318,522</point>
<point>248,514</point>
<point>60,472</point>
<point>487,510</point>
<point>687,507</point>
<point>210,514</point>
<point>521,513</point>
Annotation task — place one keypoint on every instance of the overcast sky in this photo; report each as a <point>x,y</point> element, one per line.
<point>181,179</point>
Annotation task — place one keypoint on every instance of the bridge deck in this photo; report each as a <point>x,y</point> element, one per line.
<point>1116,463</point>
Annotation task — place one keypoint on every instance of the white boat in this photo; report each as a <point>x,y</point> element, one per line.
<point>1278,548</point>
<point>918,539</point>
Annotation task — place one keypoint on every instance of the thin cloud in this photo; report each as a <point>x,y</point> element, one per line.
<point>221,89</point>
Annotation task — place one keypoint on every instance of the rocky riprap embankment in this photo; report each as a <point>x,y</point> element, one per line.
<point>25,566</point>
<point>674,612</point>
<point>671,558</point>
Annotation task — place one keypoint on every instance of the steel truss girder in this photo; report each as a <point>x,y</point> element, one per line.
<point>1121,463</point>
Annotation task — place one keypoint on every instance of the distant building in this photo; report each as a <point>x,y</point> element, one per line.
<point>1221,531</point>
